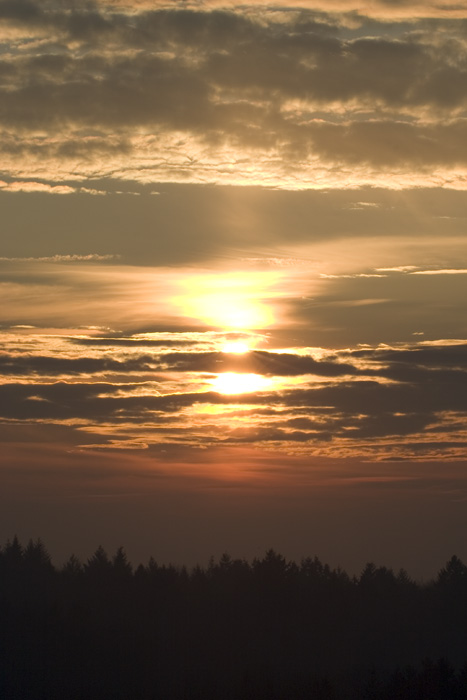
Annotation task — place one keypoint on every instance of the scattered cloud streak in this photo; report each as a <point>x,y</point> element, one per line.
<point>387,402</point>
<point>91,257</point>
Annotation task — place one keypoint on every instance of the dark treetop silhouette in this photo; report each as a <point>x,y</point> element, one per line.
<point>232,630</point>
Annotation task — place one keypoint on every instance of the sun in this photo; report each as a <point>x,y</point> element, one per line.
<point>236,347</point>
<point>230,310</point>
<point>237,383</point>
<point>230,300</point>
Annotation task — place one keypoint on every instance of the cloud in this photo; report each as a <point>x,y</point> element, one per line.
<point>290,98</point>
<point>459,271</point>
<point>43,365</point>
<point>323,275</point>
<point>444,355</point>
<point>31,12</point>
<point>375,400</point>
<point>92,257</point>
<point>134,342</point>
<point>46,188</point>
<point>35,187</point>
<point>258,362</point>
<point>398,268</point>
<point>404,269</point>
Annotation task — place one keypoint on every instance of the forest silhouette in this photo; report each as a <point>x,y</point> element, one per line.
<point>233,630</point>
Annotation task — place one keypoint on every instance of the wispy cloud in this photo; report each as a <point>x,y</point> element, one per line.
<point>459,271</point>
<point>324,275</point>
<point>398,268</point>
<point>92,257</point>
<point>33,186</point>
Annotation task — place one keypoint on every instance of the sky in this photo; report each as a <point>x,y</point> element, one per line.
<point>233,270</point>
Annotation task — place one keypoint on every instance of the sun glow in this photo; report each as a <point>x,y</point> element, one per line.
<point>233,300</point>
<point>236,347</point>
<point>236,383</point>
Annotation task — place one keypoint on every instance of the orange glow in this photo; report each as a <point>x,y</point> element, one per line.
<point>236,347</point>
<point>231,301</point>
<point>235,383</point>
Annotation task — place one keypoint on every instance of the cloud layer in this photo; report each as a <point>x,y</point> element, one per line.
<point>296,98</point>
<point>400,402</point>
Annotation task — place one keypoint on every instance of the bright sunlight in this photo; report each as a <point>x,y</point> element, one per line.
<point>232,300</point>
<point>235,347</point>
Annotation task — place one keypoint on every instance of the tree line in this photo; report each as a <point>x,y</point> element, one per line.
<point>269,629</point>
